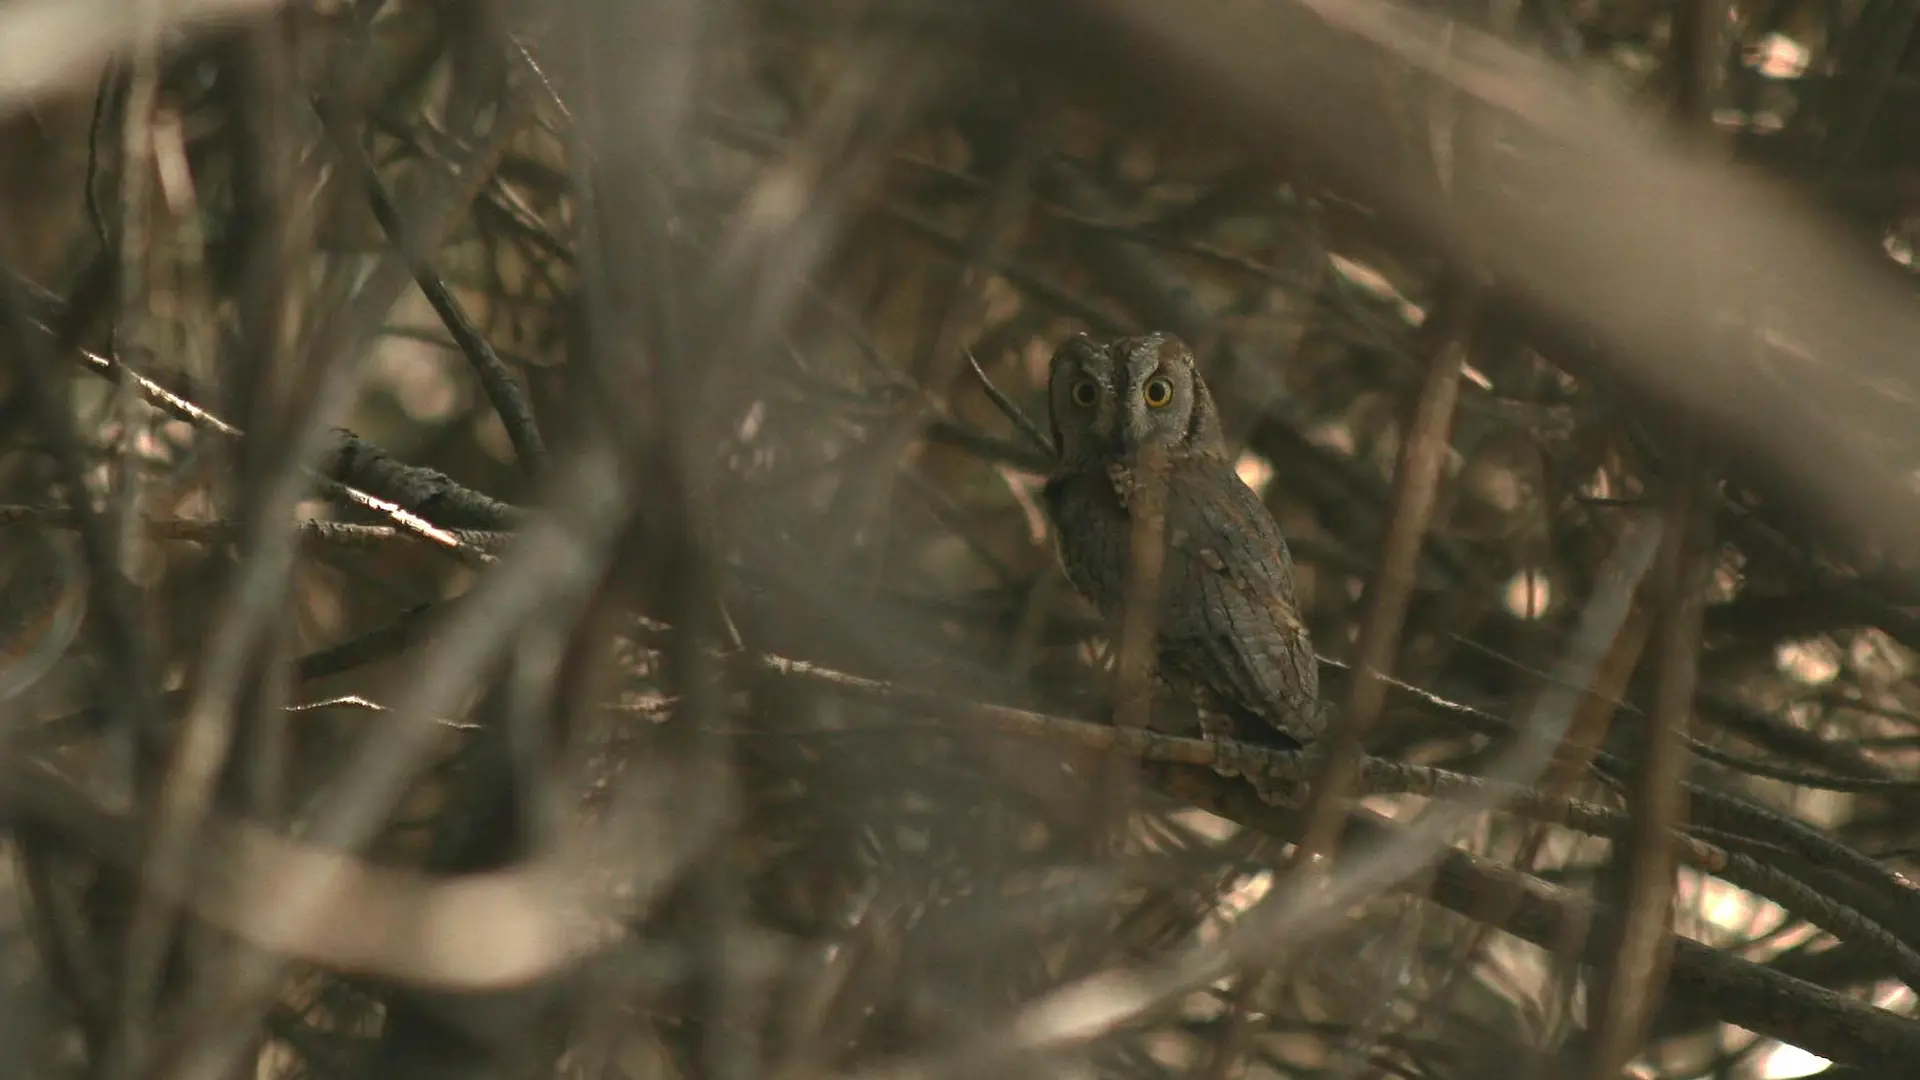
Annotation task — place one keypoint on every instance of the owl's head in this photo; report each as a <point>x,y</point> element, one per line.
<point>1111,399</point>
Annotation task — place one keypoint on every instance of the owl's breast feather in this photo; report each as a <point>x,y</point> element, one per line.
<point>1089,530</point>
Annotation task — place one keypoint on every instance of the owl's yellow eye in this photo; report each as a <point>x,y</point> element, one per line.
<point>1085,393</point>
<point>1157,392</point>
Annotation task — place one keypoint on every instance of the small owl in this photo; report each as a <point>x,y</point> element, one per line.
<point>1229,634</point>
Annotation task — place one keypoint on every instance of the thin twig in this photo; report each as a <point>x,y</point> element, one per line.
<point>1012,411</point>
<point>1136,657</point>
<point>1423,459</point>
<point>181,408</point>
<point>1630,986</point>
<point>502,390</point>
<point>226,531</point>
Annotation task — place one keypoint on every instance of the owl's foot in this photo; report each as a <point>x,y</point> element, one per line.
<point>1244,745</point>
<point>1276,776</point>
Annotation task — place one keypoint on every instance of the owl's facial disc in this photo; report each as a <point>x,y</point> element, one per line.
<point>1080,399</point>
<point>1152,405</point>
<point>1111,399</point>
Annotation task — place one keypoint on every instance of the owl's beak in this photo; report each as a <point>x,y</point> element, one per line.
<point>1133,425</point>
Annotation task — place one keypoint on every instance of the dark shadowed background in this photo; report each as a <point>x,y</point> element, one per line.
<point>508,569</point>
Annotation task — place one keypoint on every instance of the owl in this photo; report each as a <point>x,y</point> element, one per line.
<point>1233,653</point>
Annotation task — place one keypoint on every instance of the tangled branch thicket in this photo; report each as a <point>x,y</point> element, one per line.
<point>511,569</point>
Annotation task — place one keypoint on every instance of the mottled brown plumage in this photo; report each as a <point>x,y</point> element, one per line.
<point>1229,634</point>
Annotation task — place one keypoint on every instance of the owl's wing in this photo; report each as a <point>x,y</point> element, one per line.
<point>1230,621</point>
